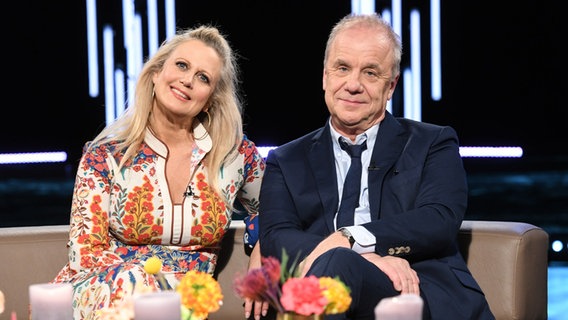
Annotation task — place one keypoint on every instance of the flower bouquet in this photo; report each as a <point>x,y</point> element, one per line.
<point>289,293</point>
<point>200,292</point>
<point>200,295</point>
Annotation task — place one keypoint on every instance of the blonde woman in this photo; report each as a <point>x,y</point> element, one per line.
<point>162,179</point>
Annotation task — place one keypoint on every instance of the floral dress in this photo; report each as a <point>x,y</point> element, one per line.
<point>121,218</point>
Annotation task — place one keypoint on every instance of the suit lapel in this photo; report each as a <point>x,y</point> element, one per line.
<point>390,142</point>
<point>321,159</point>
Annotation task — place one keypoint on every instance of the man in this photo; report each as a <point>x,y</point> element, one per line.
<point>401,237</point>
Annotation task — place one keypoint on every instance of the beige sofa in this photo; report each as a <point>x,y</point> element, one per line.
<point>509,260</point>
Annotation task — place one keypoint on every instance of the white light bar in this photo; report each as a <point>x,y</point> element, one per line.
<point>35,157</point>
<point>264,150</point>
<point>491,152</point>
<point>465,152</point>
<point>61,156</point>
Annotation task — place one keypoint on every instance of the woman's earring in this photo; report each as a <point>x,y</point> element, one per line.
<point>208,118</point>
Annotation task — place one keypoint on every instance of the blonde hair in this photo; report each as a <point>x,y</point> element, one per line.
<point>224,110</point>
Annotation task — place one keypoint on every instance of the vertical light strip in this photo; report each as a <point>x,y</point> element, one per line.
<point>396,23</point>
<point>119,90</point>
<point>386,14</point>
<point>108,63</point>
<point>135,55</point>
<point>363,6</point>
<point>152,27</point>
<point>92,48</point>
<point>129,32</point>
<point>170,18</point>
<point>396,20</point>
<point>435,51</point>
<point>407,92</point>
<point>127,13</point>
<point>137,45</point>
<point>416,66</point>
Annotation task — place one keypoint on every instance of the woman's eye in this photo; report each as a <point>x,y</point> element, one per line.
<point>181,65</point>
<point>203,77</point>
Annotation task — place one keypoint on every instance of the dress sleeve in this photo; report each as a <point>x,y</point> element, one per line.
<point>89,240</point>
<point>254,166</point>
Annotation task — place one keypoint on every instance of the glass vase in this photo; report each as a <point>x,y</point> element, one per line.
<point>294,316</point>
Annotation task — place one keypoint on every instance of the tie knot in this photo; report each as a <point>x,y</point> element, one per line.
<point>354,150</point>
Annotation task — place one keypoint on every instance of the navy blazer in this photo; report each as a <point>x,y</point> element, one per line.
<point>417,195</point>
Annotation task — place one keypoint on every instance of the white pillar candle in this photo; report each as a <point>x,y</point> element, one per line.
<point>163,305</point>
<point>402,307</point>
<point>51,301</point>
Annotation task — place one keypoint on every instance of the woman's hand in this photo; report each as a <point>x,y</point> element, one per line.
<point>257,308</point>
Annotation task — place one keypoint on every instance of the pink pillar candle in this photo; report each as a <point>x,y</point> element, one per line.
<point>401,307</point>
<point>163,305</point>
<point>51,301</point>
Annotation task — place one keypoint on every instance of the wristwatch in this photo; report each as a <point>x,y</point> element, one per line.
<point>348,235</point>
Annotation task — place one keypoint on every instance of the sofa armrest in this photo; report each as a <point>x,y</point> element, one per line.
<point>29,255</point>
<point>510,262</point>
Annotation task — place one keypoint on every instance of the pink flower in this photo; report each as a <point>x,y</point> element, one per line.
<point>303,296</point>
<point>287,292</point>
<point>261,283</point>
<point>253,285</point>
<point>272,267</point>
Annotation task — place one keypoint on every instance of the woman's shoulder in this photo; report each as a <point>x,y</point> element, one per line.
<point>247,145</point>
<point>100,146</point>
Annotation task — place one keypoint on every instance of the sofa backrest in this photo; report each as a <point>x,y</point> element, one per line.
<point>508,259</point>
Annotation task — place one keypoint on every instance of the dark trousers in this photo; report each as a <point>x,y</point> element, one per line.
<point>368,284</point>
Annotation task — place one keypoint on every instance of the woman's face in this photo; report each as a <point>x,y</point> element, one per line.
<point>187,80</point>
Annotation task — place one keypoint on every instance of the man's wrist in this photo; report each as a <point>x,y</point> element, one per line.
<point>345,232</point>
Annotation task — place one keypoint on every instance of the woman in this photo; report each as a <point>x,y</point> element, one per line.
<point>162,179</point>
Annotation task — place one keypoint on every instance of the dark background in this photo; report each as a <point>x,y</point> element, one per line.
<point>504,73</point>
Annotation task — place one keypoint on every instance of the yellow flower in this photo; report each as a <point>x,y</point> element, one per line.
<point>337,293</point>
<point>200,293</point>
<point>153,265</point>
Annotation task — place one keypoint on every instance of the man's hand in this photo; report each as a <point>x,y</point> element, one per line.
<point>403,277</point>
<point>334,240</point>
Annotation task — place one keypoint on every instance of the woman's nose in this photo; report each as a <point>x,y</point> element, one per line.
<point>186,80</point>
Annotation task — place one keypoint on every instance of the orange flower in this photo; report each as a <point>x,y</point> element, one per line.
<point>200,294</point>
